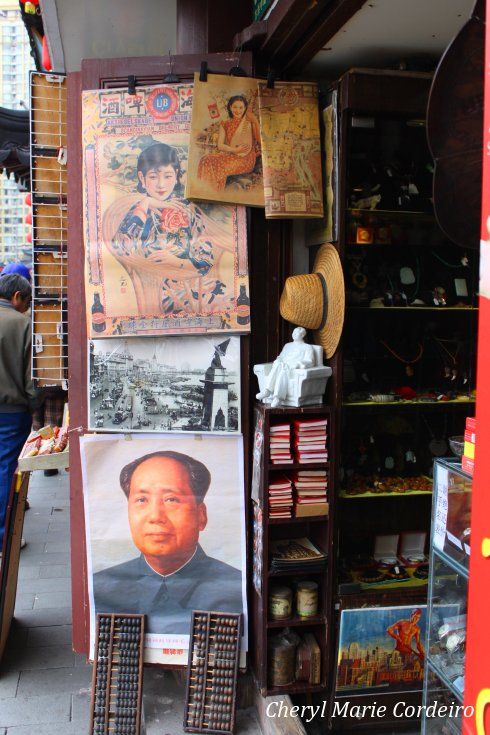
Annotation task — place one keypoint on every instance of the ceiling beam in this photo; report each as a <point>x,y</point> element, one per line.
<point>296,30</point>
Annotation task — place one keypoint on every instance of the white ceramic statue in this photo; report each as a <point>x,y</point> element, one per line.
<point>295,354</point>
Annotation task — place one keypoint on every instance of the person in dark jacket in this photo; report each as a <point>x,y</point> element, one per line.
<point>17,393</point>
<point>173,575</point>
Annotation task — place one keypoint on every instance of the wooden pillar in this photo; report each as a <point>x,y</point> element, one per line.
<point>205,26</point>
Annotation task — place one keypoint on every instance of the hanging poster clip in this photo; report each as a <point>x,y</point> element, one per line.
<point>171,78</point>
<point>203,74</point>
<point>237,71</point>
<point>131,84</point>
<point>271,78</point>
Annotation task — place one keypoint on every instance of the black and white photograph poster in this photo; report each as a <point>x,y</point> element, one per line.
<point>165,532</point>
<point>165,384</point>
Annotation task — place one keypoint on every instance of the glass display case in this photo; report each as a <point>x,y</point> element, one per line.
<point>447,600</point>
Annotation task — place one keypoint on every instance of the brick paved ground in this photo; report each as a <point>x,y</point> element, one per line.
<point>44,686</point>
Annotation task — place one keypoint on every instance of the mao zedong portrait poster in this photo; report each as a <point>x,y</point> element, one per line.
<point>165,532</point>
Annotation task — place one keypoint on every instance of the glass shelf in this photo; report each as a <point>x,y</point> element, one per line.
<point>447,682</point>
<point>455,565</point>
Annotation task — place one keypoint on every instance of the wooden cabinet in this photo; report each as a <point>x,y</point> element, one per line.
<point>404,374</point>
<point>267,530</point>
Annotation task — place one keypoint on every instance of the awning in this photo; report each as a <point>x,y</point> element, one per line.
<point>14,145</point>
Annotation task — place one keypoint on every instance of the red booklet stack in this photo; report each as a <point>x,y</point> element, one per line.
<point>310,440</point>
<point>280,444</point>
<point>280,497</point>
<point>310,492</point>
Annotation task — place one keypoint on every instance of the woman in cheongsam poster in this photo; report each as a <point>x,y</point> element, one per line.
<point>163,241</point>
<point>238,145</point>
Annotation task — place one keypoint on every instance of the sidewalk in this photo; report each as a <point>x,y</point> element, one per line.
<point>44,686</point>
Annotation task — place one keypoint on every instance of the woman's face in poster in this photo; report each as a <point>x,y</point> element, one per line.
<point>238,108</point>
<point>159,182</point>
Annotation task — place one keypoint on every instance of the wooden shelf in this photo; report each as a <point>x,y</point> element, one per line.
<point>297,573</point>
<point>298,466</point>
<point>305,519</point>
<point>370,494</point>
<point>317,528</point>
<point>422,309</point>
<point>297,622</point>
<point>391,213</point>
<point>297,688</point>
<point>410,404</point>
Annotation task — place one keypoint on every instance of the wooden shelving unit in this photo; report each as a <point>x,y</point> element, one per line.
<point>370,103</point>
<point>319,529</point>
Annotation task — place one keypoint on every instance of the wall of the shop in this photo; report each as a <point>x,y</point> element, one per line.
<point>107,29</point>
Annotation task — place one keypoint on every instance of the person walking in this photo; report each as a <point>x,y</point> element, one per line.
<point>18,396</point>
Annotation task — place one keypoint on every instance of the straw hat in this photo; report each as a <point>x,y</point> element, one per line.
<point>317,300</point>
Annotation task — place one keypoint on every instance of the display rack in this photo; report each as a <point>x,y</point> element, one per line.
<point>318,529</point>
<point>49,232</point>
<point>370,106</point>
<point>448,591</point>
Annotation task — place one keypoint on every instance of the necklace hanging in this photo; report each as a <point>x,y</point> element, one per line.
<point>450,371</point>
<point>437,447</point>
<point>408,363</point>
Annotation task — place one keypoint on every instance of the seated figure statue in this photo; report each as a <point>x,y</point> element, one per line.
<point>295,354</point>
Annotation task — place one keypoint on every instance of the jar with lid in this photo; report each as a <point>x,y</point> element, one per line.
<point>307,599</point>
<point>282,659</point>
<point>280,603</point>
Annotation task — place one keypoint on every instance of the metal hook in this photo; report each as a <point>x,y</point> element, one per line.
<point>237,71</point>
<point>171,78</point>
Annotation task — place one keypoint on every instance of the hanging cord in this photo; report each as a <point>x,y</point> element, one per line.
<point>402,359</point>
<point>463,263</point>
<point>237,71</point>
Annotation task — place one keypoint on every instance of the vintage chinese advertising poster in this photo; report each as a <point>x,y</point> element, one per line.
<point>165,532</point>
<point>156,384</point>
<point>291,151</point>
<point>155,262</point>
<point>225,163</point>
<point>318,231</point>
<point>381,650</point>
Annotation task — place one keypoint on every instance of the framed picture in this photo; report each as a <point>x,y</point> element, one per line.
<point>225,161</point>
<point>155,262</point>
<point>381,650</point>
<point>146,384</point>
<point>165,532</point>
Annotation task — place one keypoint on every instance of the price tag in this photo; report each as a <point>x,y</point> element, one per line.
<point>38,343</point>
<point>440,512</point>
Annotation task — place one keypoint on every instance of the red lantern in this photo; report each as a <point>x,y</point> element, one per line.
<point>46,59</point>
<point>29,237</point>
<point>28,218</point>
<point>28,199</point>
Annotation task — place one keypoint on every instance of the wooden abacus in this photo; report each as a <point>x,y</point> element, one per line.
<point>214,651</point>
<point>118,675</point>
